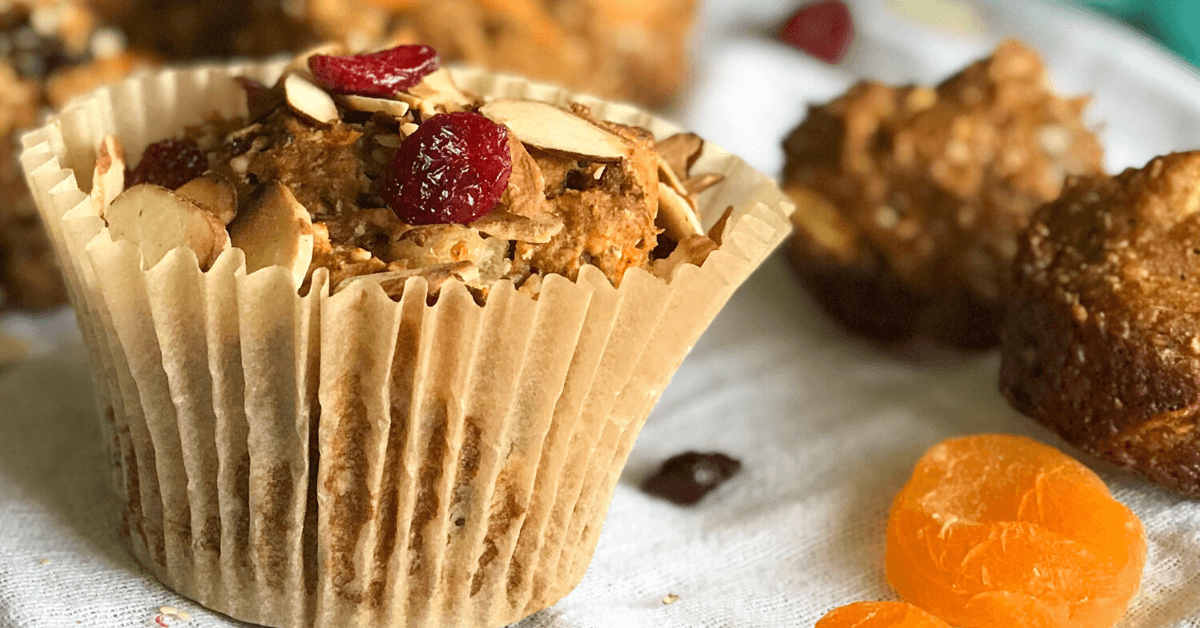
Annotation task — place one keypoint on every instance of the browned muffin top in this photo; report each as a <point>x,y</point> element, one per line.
<point>1102,341</point>
<point>314,179</point>
<point>919,192</point>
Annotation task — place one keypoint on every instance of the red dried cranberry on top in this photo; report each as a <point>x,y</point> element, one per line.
<point>169,163</point>
<point>453,169</point>
<point>378,74</point>
<point>823,29</point>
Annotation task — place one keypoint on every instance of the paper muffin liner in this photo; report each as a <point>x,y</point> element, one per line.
<point>348,460</point>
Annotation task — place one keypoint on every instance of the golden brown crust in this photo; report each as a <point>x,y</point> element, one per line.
<point>1102,341</point>
<point>564,207</point>
<point>929,188</point>
<point>609,220</point>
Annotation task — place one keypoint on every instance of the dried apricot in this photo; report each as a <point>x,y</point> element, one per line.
<point>998,531</point>
<point>879,615</point>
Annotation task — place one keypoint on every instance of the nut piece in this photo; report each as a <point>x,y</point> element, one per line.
<point>299,64</point>
<point>681,151</point>
<point>274,229</point>
<point>214,193</point>
<point>666,174</point>
<point>552,128</point>
<point>702,182</point>
<point>693,250</point>
<point>435,276</point>
<point>675,215</point>
<point>717,232</point>
<point>506,226</point>
<point>395,108</point>
<point>310,101</point>
<point>437,93</point>
<point>109,178</point>
<point>159,221</point>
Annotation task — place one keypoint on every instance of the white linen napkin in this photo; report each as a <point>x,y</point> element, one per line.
<point>827,427</point>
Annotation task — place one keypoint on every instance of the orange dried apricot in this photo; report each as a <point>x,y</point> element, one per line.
<point>999,531</point>
<point>879,615</point>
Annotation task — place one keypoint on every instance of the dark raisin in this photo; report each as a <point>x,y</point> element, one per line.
<point>685,479</point>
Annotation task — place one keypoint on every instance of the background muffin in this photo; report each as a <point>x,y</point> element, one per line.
<point>50,50</point>
<point>619,49</point>
<point>1101,343</point>
<point>911,197</point>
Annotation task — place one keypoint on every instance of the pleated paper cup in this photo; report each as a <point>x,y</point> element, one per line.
<point>347,460</point>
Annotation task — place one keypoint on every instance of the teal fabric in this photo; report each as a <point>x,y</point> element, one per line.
<point>1178,23</point>
<point>1174,22</point>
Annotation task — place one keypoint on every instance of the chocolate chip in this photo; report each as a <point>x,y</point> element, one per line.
<point>685,479</point>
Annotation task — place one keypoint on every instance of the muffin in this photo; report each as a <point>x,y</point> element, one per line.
<point>911,198</point>
<point>1100,342</point>
<point>403,430</point>
<point>52,50</point>
<point>619,49</point>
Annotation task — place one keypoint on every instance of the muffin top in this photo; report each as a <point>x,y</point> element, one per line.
<point>378,167</point>
<point>929,187</point>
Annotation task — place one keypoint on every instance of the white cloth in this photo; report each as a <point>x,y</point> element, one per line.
<point>828,428</point>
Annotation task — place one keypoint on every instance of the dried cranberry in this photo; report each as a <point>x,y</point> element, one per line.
<point>379,74</point>
<point>169,163</point>
<point>453,169</point>
<point>685,479</point>
<point>823,29</point>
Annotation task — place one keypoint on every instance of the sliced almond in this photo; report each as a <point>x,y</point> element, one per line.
<point>437,93</point>
<point>717,233</point>
<point>681,151</point>
<point>395,108</point>
<point>513,227</point>
<point>526,192</point>
<point>388,140</point>
<point>274,229</point>
<point>693,249</point>
<point>299,64</point>
<point>666,174</point>
<point>214,193</point>
<point>159,221</point>
<point>675,215</point>
<point>310,101</point>
<point>436,276</point>
<point>551,128</point>
<point>108,181</point>
<point>702,182</point>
